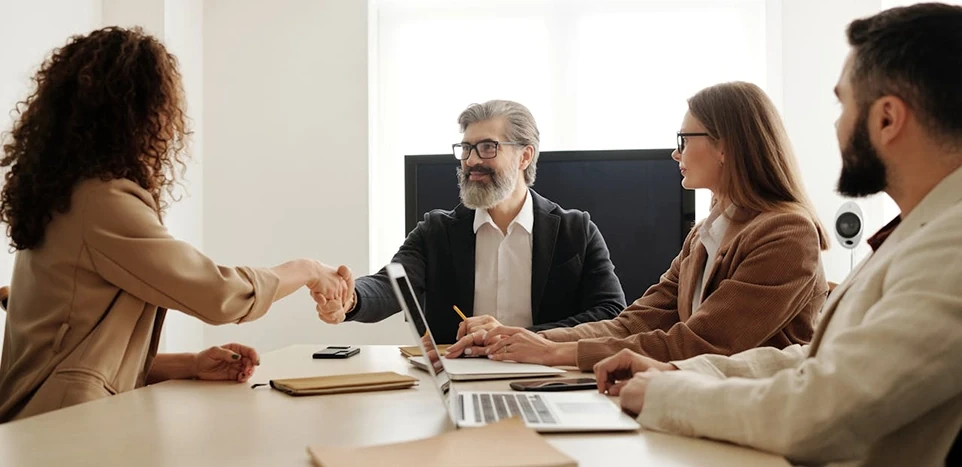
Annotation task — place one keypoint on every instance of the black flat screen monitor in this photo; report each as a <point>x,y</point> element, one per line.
<point>635,198</point>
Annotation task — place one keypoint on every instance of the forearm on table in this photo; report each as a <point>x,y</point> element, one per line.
<point>171,366</point>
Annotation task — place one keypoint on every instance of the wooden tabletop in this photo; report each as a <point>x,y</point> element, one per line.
<point>187,423</point>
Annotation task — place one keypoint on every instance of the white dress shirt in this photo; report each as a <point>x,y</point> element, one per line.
<point>711,234</point>
<point>502,267</point>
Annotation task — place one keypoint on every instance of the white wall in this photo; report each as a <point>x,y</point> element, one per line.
<point>812,48</point>
<point>28,32</point>
<point>286,119</point>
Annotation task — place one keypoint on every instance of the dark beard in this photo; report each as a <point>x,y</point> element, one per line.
<point>863,172</point>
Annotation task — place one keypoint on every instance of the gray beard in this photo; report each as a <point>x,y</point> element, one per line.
<point>486,195</point>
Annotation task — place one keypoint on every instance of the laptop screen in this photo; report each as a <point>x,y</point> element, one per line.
<point>419,325</point>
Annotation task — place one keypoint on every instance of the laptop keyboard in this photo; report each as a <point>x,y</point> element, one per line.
<point>493,407</point>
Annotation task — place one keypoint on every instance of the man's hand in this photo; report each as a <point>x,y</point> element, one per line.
<point>614,372</point>
<point>231,362</point>
<point>477,323</point>
<point>633,392</point>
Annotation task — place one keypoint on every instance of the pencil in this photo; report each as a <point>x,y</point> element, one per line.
<point>458,311</point>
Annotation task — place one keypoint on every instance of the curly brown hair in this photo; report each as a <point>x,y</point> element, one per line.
<point>107,105</point>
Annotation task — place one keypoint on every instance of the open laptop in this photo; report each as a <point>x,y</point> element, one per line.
<point>544,412</point>
<point>468,369</point>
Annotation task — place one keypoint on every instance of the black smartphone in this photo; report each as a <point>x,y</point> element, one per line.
<point>569,384</point>
<point>338,351</point>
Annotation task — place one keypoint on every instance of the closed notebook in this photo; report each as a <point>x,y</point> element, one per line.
<point>338,384</point>
<point>415,351</point>
<point>507,443</point>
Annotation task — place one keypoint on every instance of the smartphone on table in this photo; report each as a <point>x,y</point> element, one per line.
<point>338,351</point>
<point>561,384</point>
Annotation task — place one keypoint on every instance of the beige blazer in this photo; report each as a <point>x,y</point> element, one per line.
<point>881,382</point>
<point>764,289</point>
<point>86,308</point>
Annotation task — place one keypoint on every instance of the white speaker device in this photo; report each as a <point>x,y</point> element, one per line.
<point>849,227</point>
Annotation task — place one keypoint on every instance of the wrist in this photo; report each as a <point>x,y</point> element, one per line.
<point>353,302</point>
<point>191,366</point>
<point>564,354</point>
<point>313,271</point>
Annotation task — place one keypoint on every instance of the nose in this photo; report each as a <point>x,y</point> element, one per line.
<point>473,158</point>
<point>675,155</point>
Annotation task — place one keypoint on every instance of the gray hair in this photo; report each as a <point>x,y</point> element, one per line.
<point>520,126</point>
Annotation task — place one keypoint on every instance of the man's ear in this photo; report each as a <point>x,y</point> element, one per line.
<point>888,115</point>
<point>526,157</point>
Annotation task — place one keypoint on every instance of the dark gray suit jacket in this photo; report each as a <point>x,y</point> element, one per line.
<point>572,278</point>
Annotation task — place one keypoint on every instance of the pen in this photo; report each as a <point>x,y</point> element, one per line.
<point>458,311</point>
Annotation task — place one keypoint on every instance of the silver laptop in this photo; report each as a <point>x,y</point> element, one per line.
<point>544,412</point>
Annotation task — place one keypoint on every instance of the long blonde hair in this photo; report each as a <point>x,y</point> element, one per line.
<point>760,172</point>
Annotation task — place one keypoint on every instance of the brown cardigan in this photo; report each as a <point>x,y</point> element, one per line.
<point>86,308</point>
<point>765,289</point>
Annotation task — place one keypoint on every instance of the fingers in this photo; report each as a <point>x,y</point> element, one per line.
<point>467,345</point>
<point>509,353</point>
<point>504,331</point>
<point>247,352</point>
<point>331,313</point>
<point>345,273</point>
<point>495,344</point>
<point>615,389</point>
<point>222,354</point>
<point>608,370</point>
<point>462,330</point>
<point>319,299</point>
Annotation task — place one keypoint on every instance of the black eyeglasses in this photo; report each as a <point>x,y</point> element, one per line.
<point>682,136</point>
<point>485,149</point>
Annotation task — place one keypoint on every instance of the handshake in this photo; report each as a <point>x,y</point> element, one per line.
<point>333,291</point>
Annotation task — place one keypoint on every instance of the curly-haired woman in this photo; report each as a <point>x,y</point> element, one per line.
<point>93,153</point>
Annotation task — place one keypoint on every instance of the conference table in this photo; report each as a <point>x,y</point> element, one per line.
<point>187,423</point>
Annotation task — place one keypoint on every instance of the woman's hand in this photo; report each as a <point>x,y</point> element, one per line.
<point>231,362</point>
<point>521,345</point>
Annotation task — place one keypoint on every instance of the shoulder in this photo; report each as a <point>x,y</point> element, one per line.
<point>438,220</point>
<point>114,205</point>
<point>545,206</point>
<point>791,222</point>
<point>116,192</point>
<point>789,217</point>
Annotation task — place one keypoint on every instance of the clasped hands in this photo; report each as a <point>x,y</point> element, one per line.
<point>486,337</point>
<point>333,292</point>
